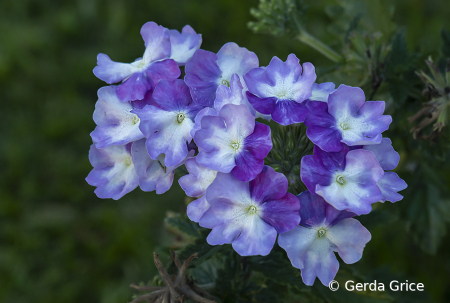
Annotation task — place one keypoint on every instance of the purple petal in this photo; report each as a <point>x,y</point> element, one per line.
<point>134,88</point>
<point>263,105</point>
<point>202,73</point>
<point>282,213</point>
<point>349,238</point>
<point>268,186</point>
<point>231,95</point>
<point>112,72</point>
<point>296,242</point>
<point>197,208</point>
<point>162,70</point>
<point>313,172</point>
<point>345,99</point>
<point>199,178</point>
<point>385,154</point>
<point>233,59</point>
<point>247,166</point>
<point>184,45</point>
<point>288,112</point>
<point>389,185</point>
<point>320,92</point>
<point>172,95</point>
<point>259,143</point>
<point>157,42</point>
<point>207,111</point>
<point>257,238</point>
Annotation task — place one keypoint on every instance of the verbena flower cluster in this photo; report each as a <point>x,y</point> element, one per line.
<point>153,121</point>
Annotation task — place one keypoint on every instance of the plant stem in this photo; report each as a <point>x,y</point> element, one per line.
<point>318,45</point>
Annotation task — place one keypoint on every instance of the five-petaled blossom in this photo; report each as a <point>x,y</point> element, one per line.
<point>167,125</point>
<point>280,89</point>
<point>114,173</point>
<point>195,184</point>
<point>143,74</point>
<point>323,230</point>
<point>250,214</point>
<point>346,118</point>
<point>346,179</point>
<point>206,70</point>
<point>233,142</point>
<point>116,124</point>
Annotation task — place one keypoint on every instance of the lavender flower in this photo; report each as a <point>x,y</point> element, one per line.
<point>346,118</point>
<point>168,123</point>
<point>195,184</point>
<point>249,214</point>
<point>143,74</point>
<point>323,230</point>
<point>114,173</point>
<point>280,89</point>
<point>346,179</point>
<point>233,142</point>
<point>206,70</point>
<point>184,44</point>
<point>116,124</point>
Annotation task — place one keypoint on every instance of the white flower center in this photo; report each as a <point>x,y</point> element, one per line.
<point>128,161</point>
<point>321,232</point>
<point>252,210</point>
<point>135,120</point>
<point>344,125</point>
<point>225,82</point>
<point>235,145</point>
<point>340,179</point>
<point>180,117</point>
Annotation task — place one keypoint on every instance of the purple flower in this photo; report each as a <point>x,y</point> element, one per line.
<point>114,173</point>
<point>194,185</point>
<point>323,230</point>
<point>232,95</point>
<point>206,70</point>
<point>280,89</point>
<point>346,179</point>
<point>153,174</point>
<point>233,142</point>
<point>167,125</point>
<point>320,92</point>
<point>388,158</point>
<point>346,118</point>
<point>143,74</point>
<point>249,214</point>
<point>116,124</point>
<point>184,44</point>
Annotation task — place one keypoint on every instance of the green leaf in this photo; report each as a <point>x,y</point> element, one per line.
<point>182,223</point>
<point>428,213</point>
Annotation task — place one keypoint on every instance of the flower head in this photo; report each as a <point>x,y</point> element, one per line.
<point>116,124</point>
<point>249,214</point>
<point>346,118</point>
<point>323,230</point>
<point>114,173</point>
<point>346,179</point>
<point>280,89</point>
<point>233,142</point>
<point>184,44</point>
<point>143,74</point>
<point>206,70</point>
<point>168,123</point>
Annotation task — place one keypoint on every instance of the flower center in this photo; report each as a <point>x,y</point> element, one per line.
<point>321,232</point>
<point>340,179</point>
<point>128,161</point>
<point>252,210</point>
<point>235,145</point>
<point>180,117</point>
<point>344,126</point>
<point>135,120</point>
<point>225,82</point>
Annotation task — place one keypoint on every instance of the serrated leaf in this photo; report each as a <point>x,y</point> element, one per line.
<point>182,223</point>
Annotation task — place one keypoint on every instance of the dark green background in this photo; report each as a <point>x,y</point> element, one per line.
<point>58,241</point>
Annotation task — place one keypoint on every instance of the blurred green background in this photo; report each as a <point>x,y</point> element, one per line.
<point>58,241</point>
